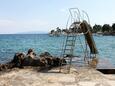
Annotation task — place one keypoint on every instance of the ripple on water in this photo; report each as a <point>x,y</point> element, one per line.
<point>10,44</point>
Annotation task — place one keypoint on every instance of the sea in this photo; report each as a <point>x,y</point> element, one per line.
<point>13,43</point>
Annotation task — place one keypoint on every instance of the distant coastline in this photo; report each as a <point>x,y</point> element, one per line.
<point>105,30</point>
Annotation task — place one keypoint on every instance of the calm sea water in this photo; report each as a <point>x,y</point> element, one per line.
<point>10,44</point>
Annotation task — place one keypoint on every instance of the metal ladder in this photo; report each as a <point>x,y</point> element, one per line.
<point>68,51</point>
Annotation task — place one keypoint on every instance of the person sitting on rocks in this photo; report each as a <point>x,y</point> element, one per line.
<point>31,53</point>
<point>30,57</point>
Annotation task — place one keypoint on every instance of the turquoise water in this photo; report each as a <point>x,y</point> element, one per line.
<point>10,44</point>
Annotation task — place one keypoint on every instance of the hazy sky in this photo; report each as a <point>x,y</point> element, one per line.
<point>44,15</point>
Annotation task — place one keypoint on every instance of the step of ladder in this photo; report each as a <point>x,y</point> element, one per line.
<point>67,61</point>
<point>68,49</point>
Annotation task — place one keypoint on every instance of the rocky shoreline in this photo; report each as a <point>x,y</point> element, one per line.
<point>45,71</point>
<point>20,60</point>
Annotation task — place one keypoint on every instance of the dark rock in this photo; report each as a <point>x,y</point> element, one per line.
<point>20,60</point>
<point>56,62</point>
<point>45,54</point>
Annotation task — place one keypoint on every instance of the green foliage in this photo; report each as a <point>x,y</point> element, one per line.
<point>106,28</point>
<point>113,27</point>
<point>97,28</point>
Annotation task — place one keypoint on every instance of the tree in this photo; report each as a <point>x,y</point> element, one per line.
<point>106,28</point>
<point>52,31</point>
<point>113,27</point>
<point>90,27</point>
<point>97,28</point>
<point>58,30</point>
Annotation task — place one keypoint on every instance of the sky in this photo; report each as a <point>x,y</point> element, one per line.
<point>18,16</point>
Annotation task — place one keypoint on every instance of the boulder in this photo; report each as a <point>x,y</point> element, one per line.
<point>45,60</point>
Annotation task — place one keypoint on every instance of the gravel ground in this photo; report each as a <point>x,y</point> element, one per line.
<point>77,77</point>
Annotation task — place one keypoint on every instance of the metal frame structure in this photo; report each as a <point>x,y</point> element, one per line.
<point>68,49</point>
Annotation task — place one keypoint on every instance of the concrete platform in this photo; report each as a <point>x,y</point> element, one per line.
<point>105,67</point>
